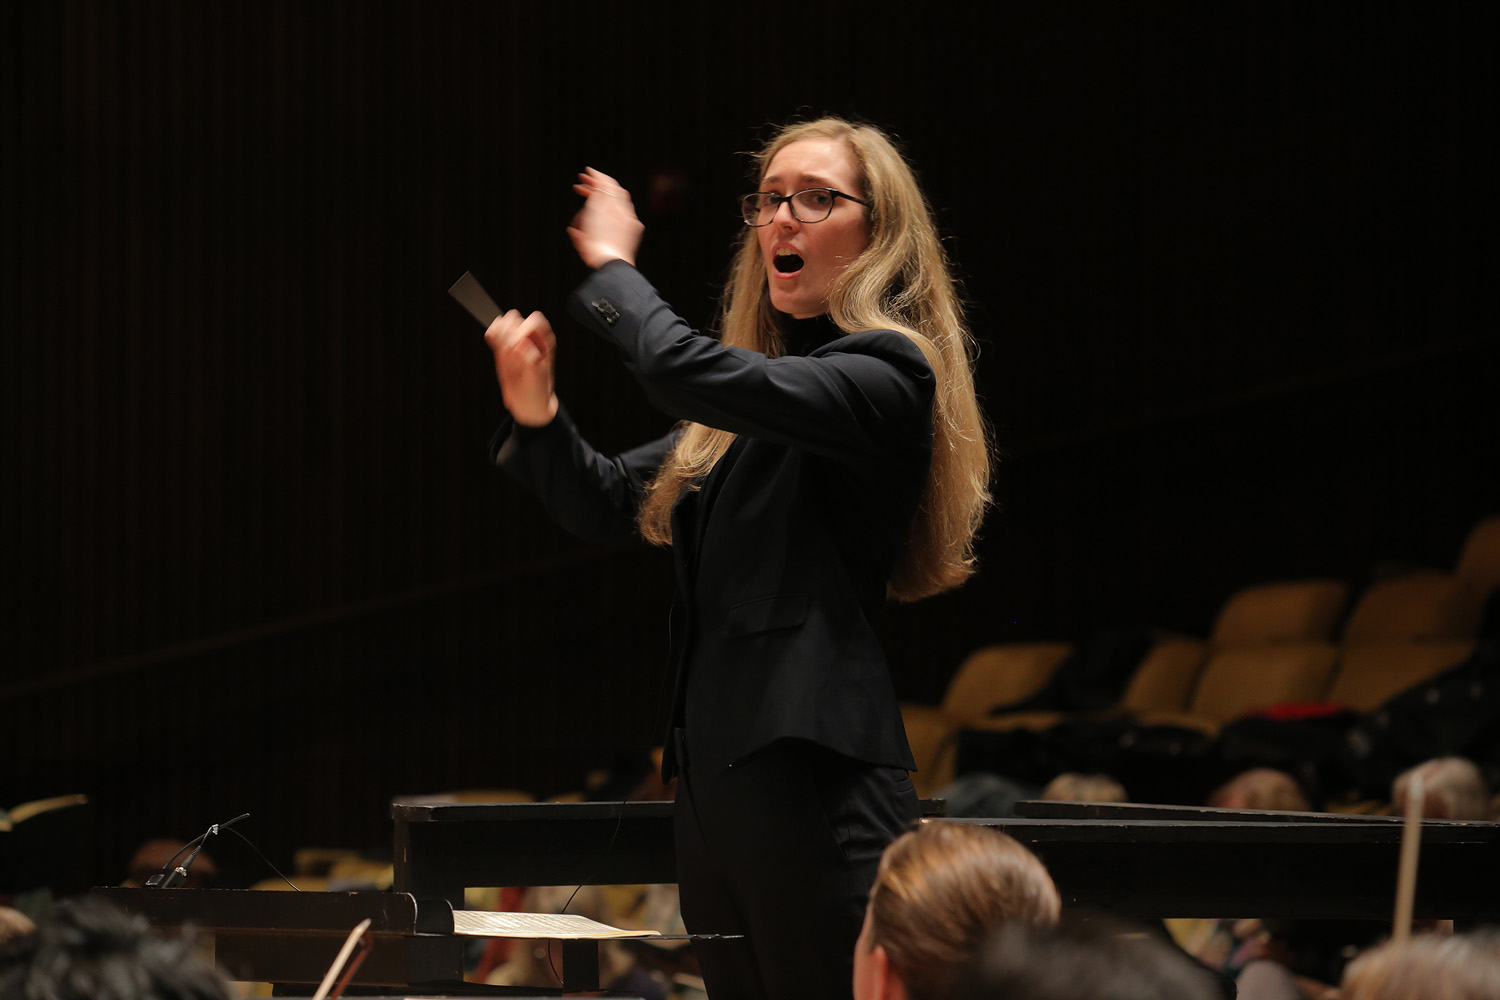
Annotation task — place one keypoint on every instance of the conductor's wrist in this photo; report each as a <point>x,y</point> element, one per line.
<point>539,416</point>
<point>609,257</point>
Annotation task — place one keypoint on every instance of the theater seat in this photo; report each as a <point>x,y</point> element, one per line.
<point>1163,682</point>
<point>1478,567</point>
<point>1281,611</point>
<point>988,678</point>
<point>1426,605</point>
<point>1244,679</point>
<point>1165,679</point>
<point>1371,673</point>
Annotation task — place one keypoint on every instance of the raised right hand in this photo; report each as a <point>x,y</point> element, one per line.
<point>606,227</point>
<point>524,350</point>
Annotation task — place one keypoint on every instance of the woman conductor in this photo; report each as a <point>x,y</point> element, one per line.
<point>830,454</point>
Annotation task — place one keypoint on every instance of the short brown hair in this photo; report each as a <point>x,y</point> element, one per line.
<point>941,889</point>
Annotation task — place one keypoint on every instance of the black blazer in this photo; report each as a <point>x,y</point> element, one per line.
<point>783,554</point>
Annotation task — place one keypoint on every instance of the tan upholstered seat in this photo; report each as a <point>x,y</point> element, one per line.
<point>995,676</point>
<point>1162,682</point>
<point>1165,679</point>
<point>1425,605</point>
<point>989,678</point>
<point>1283,611</point>
<point>1478,568</point>
<point>1243,679</point>
<point>1164,685</point>
<point>1408,628</point>
<point>1371,673</point>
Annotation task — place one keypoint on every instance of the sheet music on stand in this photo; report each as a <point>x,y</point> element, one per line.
<point>555,926</point>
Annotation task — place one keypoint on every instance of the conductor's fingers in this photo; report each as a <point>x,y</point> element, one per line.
<point>597,181</point>
<point>536,328</point>
<point>501,328</point>
<point>602,179</point>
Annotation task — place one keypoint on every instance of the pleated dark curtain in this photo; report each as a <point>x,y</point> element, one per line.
<point>1224,264</point>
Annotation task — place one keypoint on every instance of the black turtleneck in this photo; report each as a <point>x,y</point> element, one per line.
<point>801,336</point>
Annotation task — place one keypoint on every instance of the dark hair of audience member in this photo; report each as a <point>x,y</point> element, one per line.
<point>86,949</point>
<point>1427,967</point>
<point>938,891</point>
<point>1094,959</point>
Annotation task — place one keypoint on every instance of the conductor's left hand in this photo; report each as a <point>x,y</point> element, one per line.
<point>524,351</point>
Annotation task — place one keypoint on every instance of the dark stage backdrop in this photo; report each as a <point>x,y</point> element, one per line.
<point>1225,262</point>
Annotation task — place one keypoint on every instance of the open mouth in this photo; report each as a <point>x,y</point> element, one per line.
<point>786,262</point>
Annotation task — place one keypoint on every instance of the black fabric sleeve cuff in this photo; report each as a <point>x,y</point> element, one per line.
<point>510,436</point>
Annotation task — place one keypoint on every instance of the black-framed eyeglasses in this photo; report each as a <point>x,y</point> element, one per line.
<point>808,205</point>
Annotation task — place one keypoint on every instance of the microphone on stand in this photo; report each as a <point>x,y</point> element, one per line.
<point>168,876</point>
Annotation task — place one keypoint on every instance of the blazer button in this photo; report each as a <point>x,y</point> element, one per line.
<point>607,309</point>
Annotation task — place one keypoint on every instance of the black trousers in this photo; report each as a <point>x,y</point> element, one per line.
<point>782,848</point>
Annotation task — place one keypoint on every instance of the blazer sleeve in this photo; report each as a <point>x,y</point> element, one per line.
<point>590,494</point>
<point>847,400</point>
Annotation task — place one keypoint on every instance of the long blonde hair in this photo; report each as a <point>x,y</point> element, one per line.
<point>900,282</point>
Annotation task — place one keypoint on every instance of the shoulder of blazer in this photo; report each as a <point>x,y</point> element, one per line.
<point>889,345</point>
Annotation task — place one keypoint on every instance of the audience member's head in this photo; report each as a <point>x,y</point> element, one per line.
<point>88,950</point>
<point>1452,788</point>
<point>1097,959</point>
<point>1074,787</point>
<point>14,924</point>
<point>1260,788</point>
<point>938,892</point>
<point>1427,967</point>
